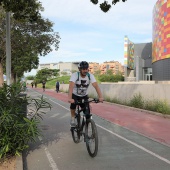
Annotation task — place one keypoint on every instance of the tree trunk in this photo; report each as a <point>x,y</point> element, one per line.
<point>1,75</point>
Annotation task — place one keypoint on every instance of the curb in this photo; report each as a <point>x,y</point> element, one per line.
<point>141,110</point>
<point>19,162</point>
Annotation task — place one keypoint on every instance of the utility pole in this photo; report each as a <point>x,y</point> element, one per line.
<point>8,49</point>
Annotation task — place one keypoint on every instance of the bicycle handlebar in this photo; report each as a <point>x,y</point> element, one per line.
<point>77,102</point>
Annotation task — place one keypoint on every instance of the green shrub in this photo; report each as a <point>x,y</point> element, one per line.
<point>159,106</point>
<point>137,101</point>
<point>16,130</point>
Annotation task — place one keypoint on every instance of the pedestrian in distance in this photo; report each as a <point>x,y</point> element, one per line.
<point>43,85</point>
<point>57,86</point>
<point>79,83</point>
<point>24,86</point>
<point>32,84</point>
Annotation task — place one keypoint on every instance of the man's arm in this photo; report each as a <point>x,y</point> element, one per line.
<point>95,85</point>
<point>70,92</point>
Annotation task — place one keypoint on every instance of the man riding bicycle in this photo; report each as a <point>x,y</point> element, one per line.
<point>79,83</point>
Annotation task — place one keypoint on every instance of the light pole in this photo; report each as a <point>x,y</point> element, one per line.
<point>8,49</point>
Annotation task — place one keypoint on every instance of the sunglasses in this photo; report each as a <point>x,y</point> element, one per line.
<point>85,68</point>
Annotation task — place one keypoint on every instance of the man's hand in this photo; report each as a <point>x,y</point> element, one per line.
<point>101,100</point>
<point>71,100</point>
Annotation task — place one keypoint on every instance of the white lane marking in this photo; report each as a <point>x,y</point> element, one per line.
<point>49,156</point>
<point>135,144</point>
<point>59,104</point>
<point>121,137</point>
<point>55,115</point>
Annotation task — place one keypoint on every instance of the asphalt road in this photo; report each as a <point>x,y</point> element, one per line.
<point>119,148</point>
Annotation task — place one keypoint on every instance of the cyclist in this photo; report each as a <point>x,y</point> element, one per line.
<point>43,85</point>
<point>57,86</point>
<point>79,83</point>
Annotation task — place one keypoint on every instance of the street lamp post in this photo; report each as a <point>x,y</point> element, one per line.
<point>8,49</point>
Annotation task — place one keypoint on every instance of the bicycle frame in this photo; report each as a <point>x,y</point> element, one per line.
<point>86,115</point>
<point>90,131</point>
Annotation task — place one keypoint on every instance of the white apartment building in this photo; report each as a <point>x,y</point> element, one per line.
<point>49,66</point>
<point>66,68</point>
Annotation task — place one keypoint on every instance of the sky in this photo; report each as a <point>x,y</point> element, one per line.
<point>87,33</point>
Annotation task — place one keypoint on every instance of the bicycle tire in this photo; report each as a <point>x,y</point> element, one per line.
<point>91,135</point>
<point>75,130</point>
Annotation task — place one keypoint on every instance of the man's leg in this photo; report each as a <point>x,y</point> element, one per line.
<point>72,121</point>
<point>72,113</point>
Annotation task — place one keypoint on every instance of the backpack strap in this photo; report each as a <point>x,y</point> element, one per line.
<point>78,76</point>
<point>78,73</point>
<point>88,74</point>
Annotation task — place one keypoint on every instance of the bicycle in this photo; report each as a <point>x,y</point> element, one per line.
<point>85,126</point>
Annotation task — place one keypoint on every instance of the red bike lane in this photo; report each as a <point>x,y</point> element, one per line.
<point>151,125</point>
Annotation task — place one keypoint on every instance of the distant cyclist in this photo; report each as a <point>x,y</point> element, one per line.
<point>79,83</point>
<point>43,85</point>
<point>57,86</point>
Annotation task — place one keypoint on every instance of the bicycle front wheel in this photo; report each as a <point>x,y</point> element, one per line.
<point>91,136</point>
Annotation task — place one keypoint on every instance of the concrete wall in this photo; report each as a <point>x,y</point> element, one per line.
<point>151,91</point>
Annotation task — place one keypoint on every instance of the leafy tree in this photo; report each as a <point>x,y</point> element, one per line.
<point>45,74</point>
<point>30,77</point>
<point>110,77</point>
<point>105,6</point>
<point>28,40</point>
<point>109,72</point>
<point>73,71</point>
<point>97,72</point>
<point>37,40</point>
<point>22,9</point>
<point>64,73</point>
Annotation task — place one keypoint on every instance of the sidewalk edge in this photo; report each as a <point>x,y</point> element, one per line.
<point>141,110</point>
<point>19,162</point>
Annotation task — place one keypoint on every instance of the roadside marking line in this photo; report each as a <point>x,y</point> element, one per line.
<point>53,165</point>
<point>123,138</point>
<point>49,156</point>
<point>59,104</point>
<point>135,144</point>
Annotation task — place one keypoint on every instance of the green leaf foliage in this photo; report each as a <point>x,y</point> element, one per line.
<point>29,40</point>
<point>45,74</point>
<point>110,77</point>
<point>16,129</point>
<point>22,9</point>
<point>105,6</point>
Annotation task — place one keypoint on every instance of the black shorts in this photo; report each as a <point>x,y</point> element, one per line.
<point>73,106</point>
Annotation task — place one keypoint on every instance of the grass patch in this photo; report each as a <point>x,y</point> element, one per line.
<point>138,101</point>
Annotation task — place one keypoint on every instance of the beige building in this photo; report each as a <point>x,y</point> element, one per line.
<point>66,68</point>
<point>49,66</point>
<point>115,66</point>
<point>93,67</point>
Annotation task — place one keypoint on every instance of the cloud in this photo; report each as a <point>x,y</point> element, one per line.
<point>87,32</point>
<point>131,14</point>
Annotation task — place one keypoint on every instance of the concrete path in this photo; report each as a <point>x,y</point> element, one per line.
<point>149,124</point>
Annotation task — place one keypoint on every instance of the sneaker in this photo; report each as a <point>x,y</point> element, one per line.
<point>72,122</point>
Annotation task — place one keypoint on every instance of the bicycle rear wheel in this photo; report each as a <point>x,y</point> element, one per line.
<point>75,130</point>
<point>91,137</point>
